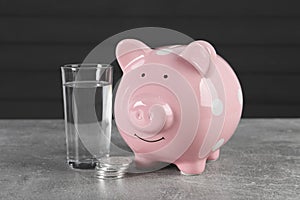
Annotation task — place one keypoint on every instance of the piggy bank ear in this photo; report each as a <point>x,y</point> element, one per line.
<point>199,54</point>
<point>130,50</point>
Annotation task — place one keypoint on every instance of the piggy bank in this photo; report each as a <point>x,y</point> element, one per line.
<point>176,104</point>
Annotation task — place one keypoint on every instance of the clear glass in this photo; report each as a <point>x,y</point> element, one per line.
<point>87,95</point>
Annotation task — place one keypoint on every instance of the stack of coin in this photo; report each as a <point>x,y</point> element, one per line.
<point>112,167</point>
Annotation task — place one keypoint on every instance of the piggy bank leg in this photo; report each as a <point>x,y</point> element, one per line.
<point>214,155</point>
<point>191,167</point>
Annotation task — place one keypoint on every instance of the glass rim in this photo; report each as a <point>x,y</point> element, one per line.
<point>86,66</point>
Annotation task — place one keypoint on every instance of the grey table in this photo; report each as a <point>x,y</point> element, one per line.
<point>261,161</point>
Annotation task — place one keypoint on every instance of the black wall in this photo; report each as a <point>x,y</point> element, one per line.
<point>261,40</point>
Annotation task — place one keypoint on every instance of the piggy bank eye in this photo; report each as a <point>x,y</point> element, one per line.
<point>143,75</point>
<point>165,76</point>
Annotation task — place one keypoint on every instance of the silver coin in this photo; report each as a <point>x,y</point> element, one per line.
<point>115,161</point>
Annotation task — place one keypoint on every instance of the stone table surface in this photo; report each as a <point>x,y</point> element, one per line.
<point>261,161</point>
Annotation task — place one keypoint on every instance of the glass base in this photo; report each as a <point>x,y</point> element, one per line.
<point>89,164</point>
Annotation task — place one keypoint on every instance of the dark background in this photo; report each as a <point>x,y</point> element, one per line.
<point>260,39</point>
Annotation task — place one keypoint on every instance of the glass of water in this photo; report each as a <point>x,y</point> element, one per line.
<point>87,94</point>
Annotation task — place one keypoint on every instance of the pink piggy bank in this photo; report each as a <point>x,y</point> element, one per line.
<point>176,104</point>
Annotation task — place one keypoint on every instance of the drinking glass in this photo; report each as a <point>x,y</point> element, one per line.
<point>87,96</point>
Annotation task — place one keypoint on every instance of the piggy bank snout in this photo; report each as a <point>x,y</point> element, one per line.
<point>150,118</point>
